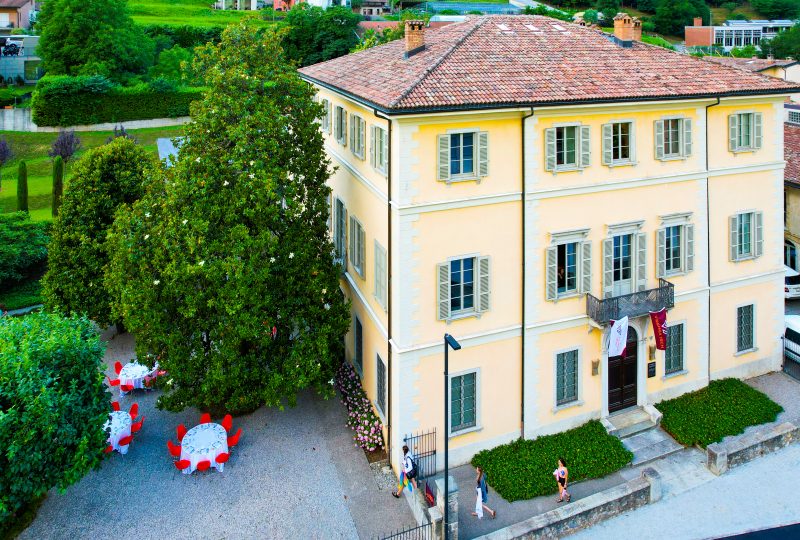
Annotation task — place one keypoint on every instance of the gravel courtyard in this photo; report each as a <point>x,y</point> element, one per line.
<point>295,474</point>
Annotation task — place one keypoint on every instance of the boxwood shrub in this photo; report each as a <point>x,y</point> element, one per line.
<point>23,247</point>
<point>71,101</point>
<point>725,407</point>
<point>523,469</point>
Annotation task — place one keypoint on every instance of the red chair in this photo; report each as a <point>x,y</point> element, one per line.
<point>115,405</point>
<point>112,382</point>
<point>126,388</point>
<point>148,381</point>
<point>161,373</point>
<point>233,440</point>
<point>117,367</point>
<point>204,465</point>
<point>205,418</point>
<point>223,458</point>
<point>108,449</point>
<point>134,412</point>
<point>227,423</point>
<point>174,449</point>
<point>181,432</point>
<point>137,427</point>
<point>182,464</point>
<point>125,441</point>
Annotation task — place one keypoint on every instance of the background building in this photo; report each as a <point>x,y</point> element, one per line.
<point>733,33</point>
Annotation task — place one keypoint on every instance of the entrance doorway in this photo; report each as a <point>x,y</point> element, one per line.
<point>622,374</point>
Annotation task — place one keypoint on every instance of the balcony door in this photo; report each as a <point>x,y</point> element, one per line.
<point>623,264</point>
<point>622,375</point>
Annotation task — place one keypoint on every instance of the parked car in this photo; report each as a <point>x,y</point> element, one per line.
<point>791,337</point>
<point>791,288</point>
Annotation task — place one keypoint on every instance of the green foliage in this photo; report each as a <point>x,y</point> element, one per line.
<point>777,9</point>
<point>785,45</point>
<point>22,187</point>
<point>590,16</point>
<point>730,6</point>
<point>739,17</point>
<point>232,241</point>
<point>541,9</point>
<point>92,37</point>
<point>71,101</point>
<point>314,34</point>
<point>648,6</point>
<point>658,41</point>
<point>523,469</point>
<point>54,405</point>
<point>748,51</point>
<point>648,26</point>
<point>58,183</point>
<point>20,295</point>
<point>609,9</point>
<point>104,179</point>
<point>184,36</point>
<point>449,12</point>
<point>23,247</point>
<point>725,407</point>
<point>371,38</point>
<point>672,16</point>
<point>173,64</point>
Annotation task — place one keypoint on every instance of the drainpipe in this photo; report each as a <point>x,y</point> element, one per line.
<point>524,320</point>
<point>708,241</point>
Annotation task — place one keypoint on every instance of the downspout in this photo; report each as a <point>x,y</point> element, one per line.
<point>708,241</point>
<point>524,320</point>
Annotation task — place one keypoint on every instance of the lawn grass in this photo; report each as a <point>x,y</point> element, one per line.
<point>719,15</point>
<point>33,148</point>
<point>476,1</point>
<point>523,469</point>
<point>184,12</point>
<point>725,407</point>
<point>25,294</point>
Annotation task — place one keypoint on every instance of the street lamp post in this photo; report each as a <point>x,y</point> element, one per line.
<point>449,342</point>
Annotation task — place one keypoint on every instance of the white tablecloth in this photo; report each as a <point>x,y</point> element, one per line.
<point>133,374</point>
<point>118,426</point>
<point>204,442</point>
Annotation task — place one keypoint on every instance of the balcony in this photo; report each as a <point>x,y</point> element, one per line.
<point>631,305</point>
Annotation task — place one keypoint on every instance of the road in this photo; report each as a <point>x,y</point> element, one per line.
<point>793,307</point>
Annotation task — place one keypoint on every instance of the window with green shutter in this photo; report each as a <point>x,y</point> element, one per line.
<point>357,247</point>
<point>673,138</point>
<point>340,125</point>
<point>464,287</point>
<point>566,377</point>
<point>746,235</point>
<point>675,250</point>
<point>567,148</point>
<point>357,135</point>
<point>463,403</point>
<point>745,132</point>
<point>380,384</point>
<point>463,156</point>
<point>326,116</point>
<point>381,279</point>
<point>358,345</point>
<point>618,143</point>
<point>673,355</point>
<point>745,328</point>
<point>379,150</point>
<point>340,230</point>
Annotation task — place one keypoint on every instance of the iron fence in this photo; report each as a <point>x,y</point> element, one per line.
<point>631,305</point>
<point>420,532</point>
<point>791,353</point>
<point>423,447</point>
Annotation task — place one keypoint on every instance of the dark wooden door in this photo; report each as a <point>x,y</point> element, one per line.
<point>622,375</point>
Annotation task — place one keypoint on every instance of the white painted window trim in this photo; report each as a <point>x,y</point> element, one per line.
<point>360,268</point>
<point>754,348</point>
<point>472,312</point>
<point>680,155</point>
<point>626,227</point>
<point>478,425</point>
<point>683,370</point>
<point>381,168</point>
<point>342,138</point>
<point>380,411</point>
<point>684,252</point>
<point>473,176</point>
<point>751,148</point>
<point>567,237</point>
<point>357,121</point>
<point>631,161</point>
<point>577,166</point>
<point>578,401</point>
<point>752,255</point>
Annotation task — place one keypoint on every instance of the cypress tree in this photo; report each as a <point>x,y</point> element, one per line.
<point>22,187</point>
<point>58,183</point>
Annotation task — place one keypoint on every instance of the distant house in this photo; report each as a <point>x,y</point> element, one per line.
<point>16,13</point>
<point>733,33</point>
<point>788,70</point>
<point>18,59</point>
<point>791,187</point>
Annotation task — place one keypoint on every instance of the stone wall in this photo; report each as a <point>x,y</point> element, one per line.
<point>20,120</point>
<point>735,451</point>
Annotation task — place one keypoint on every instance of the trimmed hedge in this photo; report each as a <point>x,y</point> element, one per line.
<point>71,101</point>
<point>23,247</point>
<point>523,469</point>
<point>725,407</point>
<point>185,36</point>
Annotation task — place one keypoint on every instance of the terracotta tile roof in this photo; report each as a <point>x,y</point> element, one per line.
<point>13,3</point>
<point>749,64</point>
<point>520,60</point>
<point>791,153</point>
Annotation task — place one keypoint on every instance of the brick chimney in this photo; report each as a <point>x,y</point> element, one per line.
<point>637,29</point>
<point>698,21</point>
<point>623,30</point>
<point>415,37</point>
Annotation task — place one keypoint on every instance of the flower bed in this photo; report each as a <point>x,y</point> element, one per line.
<point>361,416</point>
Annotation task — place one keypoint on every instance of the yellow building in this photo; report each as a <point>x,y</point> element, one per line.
<point>519,181</point>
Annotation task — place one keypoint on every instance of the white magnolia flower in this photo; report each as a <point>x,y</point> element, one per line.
<point>252,163</point>
<point>156,281</point>
<point>185,221</point>
<point>147,214</point>
<point>225,183</point>
<point>272,259</point>
<point>324,291</point>
<point>201,263</point>
<point>330,382</point>
<point>251,175</point>
<point>197,160</point>
<point>146,236</point>
<point>291,255</point>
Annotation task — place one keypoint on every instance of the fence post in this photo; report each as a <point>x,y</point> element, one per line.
<point>451,521</point>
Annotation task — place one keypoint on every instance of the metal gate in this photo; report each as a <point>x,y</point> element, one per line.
<point>420,532</point>
<point>423,446</point>
<point>791,353</point>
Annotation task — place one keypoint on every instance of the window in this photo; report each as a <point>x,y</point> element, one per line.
<point>622,257</point>
<point>357,135</point>
<point>463,156</point>
<point>746,236</point>
<point>566,377</point>
<point>462,153</point>
<point>358,346</point>
<point>672,246</point>
<point>380,371</point>
<point>794,117</point>
<point>566,138</point>
<point>462,402</point>
<point>673,356</point>
<point>618,143</point>
<point>379,151</point>
<point>567,148</point>
<point>569,265</point>
<point>326,116</point>
<point>357,247</point>
<point>340,230</point>
<point>745,339</point>
<point>567,278</point>
<point>381,279</point>
<point>463,287</point>
<point>673,138</point>
<point>340,125</point>
<point>789,255</point>
<point>744,132</point>
<point>675,248</point>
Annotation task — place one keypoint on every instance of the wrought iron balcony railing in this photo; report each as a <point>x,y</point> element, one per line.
<point>633,304</point>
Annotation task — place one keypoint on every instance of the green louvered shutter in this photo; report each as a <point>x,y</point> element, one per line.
<point>443,288</point>
<point>758,121</point>
<point>641,261</point>
<point>608,144</point>
<point>689,247</point>
<point>733,233</point>
<point>444,157</point>
<point>551,273</point>
<point>733,132</point>
<point>686,124</point>
<point>608,267</point>
<point>586,267</point>
<point>661,253</point>
<point>484,284</point>
<point>659,136</point>
<point>550,149</point>
<point>483,153</point>
<point>586,146</point>
<point>758,248</point>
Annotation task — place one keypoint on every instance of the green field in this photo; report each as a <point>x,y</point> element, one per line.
<point>720,15</point>
<point>33,148</point>
<point>180,12</point>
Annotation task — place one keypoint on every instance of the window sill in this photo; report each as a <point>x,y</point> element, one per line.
<point>564,406</point>
<point>620,164</point>
<point>674,273</point>
<point>459,179</point>
<point>673,158</point>
<point>460,316</point>
<point>566,296</point>
<point>358,270</point>
<point>566,168</point>
<point>675,374</point>
<point>454,434</point>
<point>746,351</point>
<point>743,150</point>
<point>745,258</point>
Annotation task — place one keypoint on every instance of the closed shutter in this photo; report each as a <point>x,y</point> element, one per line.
<point>733,132</point>
<point>551,274</point>
<point>362,249</point>
<point>661,253</point>
<point>373,139</point>
<point>733,233</point>
<point>353,238</point>
<point>484,284</point>
<point>689,229</point>
<point>353,127</point>
<point>759,234</point>
<point>608,144</point>
<point>380,275</point>
<point>608,268</point>
<point>384,164</point>
<point>444,157</point>
<point>586,146</point>
<point>483,153</point>
<point>758,122</point>
<point>659,135</point>
<point>443,295</point>
<point>344,128</point>
<point>632,142</point>
<point>586,267</point>
<point>641,261</point>
<point>550,149</point>
<point>686,123</point>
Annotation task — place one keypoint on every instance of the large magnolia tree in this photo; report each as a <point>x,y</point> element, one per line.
<point>224,268</point>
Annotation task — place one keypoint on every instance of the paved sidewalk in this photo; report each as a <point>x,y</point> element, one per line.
<point>783,390</point>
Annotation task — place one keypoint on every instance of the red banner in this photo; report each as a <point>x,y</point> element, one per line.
<point>659,320</point>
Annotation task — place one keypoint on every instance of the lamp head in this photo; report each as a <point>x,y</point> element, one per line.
<point>451,341</point>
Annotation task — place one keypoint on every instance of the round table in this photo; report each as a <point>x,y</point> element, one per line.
<point>204,442</point>
<point>133,374</point>
<point>118,426</point>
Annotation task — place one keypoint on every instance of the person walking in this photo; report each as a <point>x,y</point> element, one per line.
<point>562,476</point>
<point>483,496</point>
<point>409,472</point>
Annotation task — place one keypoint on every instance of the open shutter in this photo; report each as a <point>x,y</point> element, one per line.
<point>641,261</point>
<point>344,128</point>
<point>586,146</point>
<point>550,149</point>
<point>758,122</point>
<point>608,267</point>
<point>484,284</point>
<point>586,267</point>
<point>632,142</point>
<point>689,229</point>
<point>362,251</point>
<point>385,158</point>
<point>733,132</point>
<point>353,127</point>
<point>661,253</point>
<point>483,153</point>
<point>443,297</point>
<point>759,234</point>
<point>608,144</point>
<point>686,123</point>
<point>373,160</point>
<point>551,274</point>
<point>733,233</point>
<point>444,157</point>
<point>352,241</point>
<point>659,127</point>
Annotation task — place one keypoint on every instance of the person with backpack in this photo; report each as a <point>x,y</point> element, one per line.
<point>409,472</point>
<point>482,496</point>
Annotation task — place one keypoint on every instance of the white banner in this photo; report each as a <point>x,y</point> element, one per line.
<point>618,337</point>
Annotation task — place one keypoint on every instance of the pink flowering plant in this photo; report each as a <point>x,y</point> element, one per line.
<point>361,416</point>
